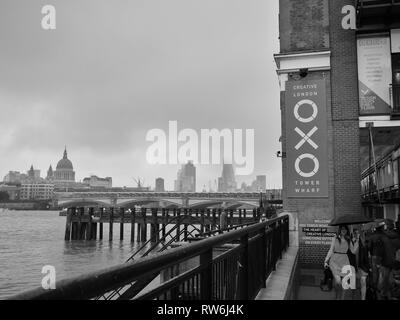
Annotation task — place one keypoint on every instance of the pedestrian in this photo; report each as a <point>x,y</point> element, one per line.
<point>363,263</point>
<point>393,236</point>
<point>395,282</point>
<point>383,257</point>
<point>337,257</point>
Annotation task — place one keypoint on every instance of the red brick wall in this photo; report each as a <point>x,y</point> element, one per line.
<point>345,112</point>
<point>303,25</point>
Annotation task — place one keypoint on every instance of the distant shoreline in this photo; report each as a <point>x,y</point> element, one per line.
<point>26,206</point>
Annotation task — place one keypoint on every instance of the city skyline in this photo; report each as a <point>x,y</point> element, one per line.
<point>153,185</point>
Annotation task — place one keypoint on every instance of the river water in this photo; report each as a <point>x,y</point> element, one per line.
<point>30,240</point>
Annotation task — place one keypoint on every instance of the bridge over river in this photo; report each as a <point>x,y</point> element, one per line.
<point>191,200</point>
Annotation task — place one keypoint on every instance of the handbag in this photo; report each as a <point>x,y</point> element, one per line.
<point>327,283</point>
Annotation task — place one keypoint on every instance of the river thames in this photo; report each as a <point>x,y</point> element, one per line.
<point>30,240</point>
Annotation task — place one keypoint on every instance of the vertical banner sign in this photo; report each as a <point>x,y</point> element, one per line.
<point>307,139</point>
<point>374,75</point>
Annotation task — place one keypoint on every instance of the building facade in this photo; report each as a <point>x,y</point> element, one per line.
<point>227,181</point>
<point>337,69</point>
<point>12,191</point>
<point>186,178</point>
<point>36,191</point>
<point>96,182</point>
<point>15,177</point>
<point>159,185</point>
<point>64,175</point>
<point>261,183</point>
<point>64,171</point>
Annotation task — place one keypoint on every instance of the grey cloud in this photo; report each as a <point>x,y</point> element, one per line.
<point>113,70</point>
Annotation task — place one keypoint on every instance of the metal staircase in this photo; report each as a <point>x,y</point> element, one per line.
<point>166,239</point>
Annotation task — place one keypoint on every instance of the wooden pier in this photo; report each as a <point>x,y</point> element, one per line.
<point>86,223</point>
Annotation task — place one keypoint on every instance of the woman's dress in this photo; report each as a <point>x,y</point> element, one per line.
<point>339,257</point>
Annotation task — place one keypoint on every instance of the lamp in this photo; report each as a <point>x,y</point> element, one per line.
<point>303,72</point>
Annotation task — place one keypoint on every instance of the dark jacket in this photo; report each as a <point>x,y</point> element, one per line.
<point>380,245</point>
<point>363,259</point>
<point>394,238</point>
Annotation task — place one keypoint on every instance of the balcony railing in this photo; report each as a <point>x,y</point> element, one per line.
<point>377,12</point>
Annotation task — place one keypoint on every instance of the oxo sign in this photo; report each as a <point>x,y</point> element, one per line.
<point>306,139</point>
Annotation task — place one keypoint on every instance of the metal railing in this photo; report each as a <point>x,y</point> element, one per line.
<point>164,242</point>
<point>250,255</point>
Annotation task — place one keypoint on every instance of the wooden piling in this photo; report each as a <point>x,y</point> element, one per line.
<point>133,224</point>
<point>185,226</point>
<point>121,225</point>
<point>202,221</point>
<point>153,225</point>
<point>94,231</point>
<point>164,219</point>
<point>68,225</point>
<point>144,226</point>
<point>139,229</point>
<point>84,225</point>
<point>110,234</point>
<point>156,225</point>
<point>101,224</point>
<point>214,219</point>
<point>178,223</point>
<point>208,225</point>
<point>79,231</point>
<point>89,225</point>
<point>74,229</point>
<point>82,235</point>
<point>94,226</point>
<point>74,226</point>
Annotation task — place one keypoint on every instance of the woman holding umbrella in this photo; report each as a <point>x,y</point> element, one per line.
<point>337,257</point>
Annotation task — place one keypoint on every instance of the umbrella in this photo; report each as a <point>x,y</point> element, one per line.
<point>350,219</point>
<point>369,226</point>
<point>377,223</point>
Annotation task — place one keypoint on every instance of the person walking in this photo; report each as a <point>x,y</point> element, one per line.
<point>337,257</point>
<point>383,257</point>
<point>363,263</point>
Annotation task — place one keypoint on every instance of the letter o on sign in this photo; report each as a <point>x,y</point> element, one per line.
<point>306,174</point>
<point>309,119</point>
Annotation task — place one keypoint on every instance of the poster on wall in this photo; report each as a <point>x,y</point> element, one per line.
<point>317,233</point>
<point>395,40</point>
<point>306,139</point>
<point>374,75</point>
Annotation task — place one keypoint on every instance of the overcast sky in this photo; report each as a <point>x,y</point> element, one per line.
<point>113,70</point>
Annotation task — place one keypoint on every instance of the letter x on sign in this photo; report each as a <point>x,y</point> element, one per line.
<point>306,138</point>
